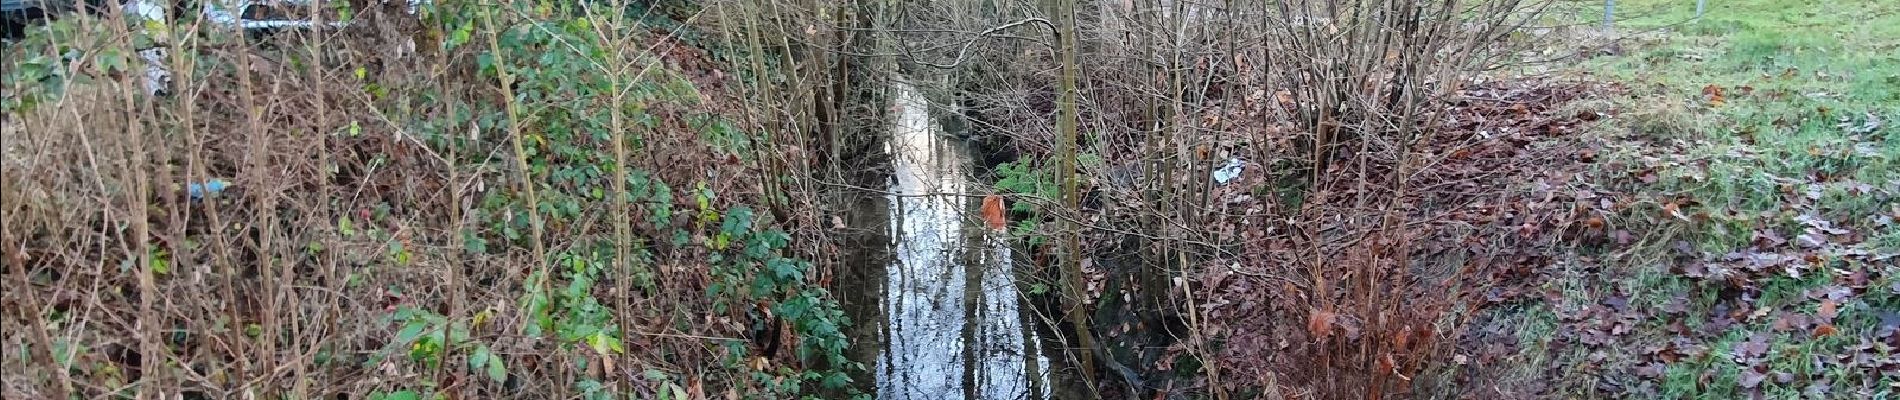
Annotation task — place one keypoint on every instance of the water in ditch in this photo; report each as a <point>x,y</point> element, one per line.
<point>936,300</point>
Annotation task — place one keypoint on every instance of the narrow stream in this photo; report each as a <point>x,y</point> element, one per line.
<point>950,323</point>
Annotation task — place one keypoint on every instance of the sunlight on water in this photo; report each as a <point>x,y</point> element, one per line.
<point>954,328</point>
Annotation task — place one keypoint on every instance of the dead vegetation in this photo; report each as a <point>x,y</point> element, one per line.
<point>1276,200</point>
<point>375,236</point>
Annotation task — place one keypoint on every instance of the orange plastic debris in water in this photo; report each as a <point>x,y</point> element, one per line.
<point>993,212</point>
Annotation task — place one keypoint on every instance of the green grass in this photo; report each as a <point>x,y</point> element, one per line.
<point>1796,76</point>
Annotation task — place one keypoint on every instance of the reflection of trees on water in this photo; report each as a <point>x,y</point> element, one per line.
<point>954,326</point>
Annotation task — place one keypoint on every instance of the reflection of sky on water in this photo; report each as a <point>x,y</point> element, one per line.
<point>954,327</point>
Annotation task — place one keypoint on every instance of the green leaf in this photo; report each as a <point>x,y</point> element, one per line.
<point>111,60</point>
<point>64,350</point>
<point>836,380</point>
<point>603,344</point>
<point>343,225</point>
<point>675,390</point>
<point>461,35</point>
<point>479,358</point>
<point>458,332</point>
<point>437,337</point>
<point>411,331</point>
<point>786,269</point>
<point>400,253</point>
<point>156,28</point>
<point>344,13</point>
<point>704,197</point>
<point>160,264</point>
<point>474,243</point>
<point>403,395</point>
<point>738,221</point>
<point>497,371</point>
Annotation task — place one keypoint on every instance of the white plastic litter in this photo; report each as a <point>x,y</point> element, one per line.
<point>152,14</point>
<point>1230,171</point>
<point>229,13</point>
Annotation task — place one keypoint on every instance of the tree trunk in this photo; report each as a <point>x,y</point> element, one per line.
<point>1066,128</point>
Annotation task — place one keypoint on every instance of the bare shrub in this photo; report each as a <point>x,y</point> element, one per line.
<point>374,234</point>
<point>1325,244</point>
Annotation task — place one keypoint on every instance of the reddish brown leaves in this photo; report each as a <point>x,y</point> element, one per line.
<point>1713,94</point>
<point>993,212</point>
<point>1826,314</point>
<point>1320,323</point>
<point>1827,311</point>
<point>1497,138</point>
<point>1402,339</point>
<point>1824,330</point>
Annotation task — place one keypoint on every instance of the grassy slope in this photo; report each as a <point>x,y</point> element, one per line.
<point>1796,78</point>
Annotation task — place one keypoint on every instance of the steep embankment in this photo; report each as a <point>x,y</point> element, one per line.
<point>536,202</point>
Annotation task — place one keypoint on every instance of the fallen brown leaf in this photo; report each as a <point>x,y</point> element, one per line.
<point>1824,330</point>
<point>1320,323</point>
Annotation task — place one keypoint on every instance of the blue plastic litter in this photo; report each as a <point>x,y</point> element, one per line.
<point>198,191</point>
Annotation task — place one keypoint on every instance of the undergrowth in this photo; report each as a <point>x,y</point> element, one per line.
<point>425,206</point>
